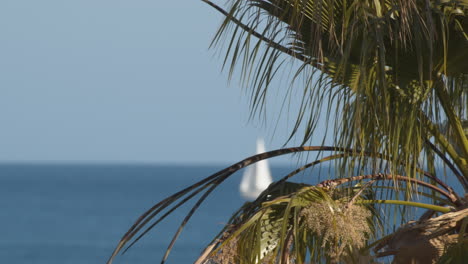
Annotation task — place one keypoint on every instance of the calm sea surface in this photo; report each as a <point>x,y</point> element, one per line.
<point>51,214</point>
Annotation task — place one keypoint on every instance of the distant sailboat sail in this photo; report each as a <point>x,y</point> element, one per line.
<point>256,177</point>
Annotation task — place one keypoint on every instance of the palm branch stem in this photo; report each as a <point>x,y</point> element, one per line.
<point>209,249</point>
<point>355,196</point>
<point>453,118</point>
<point>463,181</point>
<point>378,244</point>
<point>431,196</point>
<point>186,219</point>
<point>153,211</point>
<point>447,147</point>
<point>386,253</point>
<point>262,37</point>
<point>218,177</point>
<point>215,179</point>
<point>296,171</point>
<point>408,203</point>
<point>163,216</point>
<point>285,252</point>
<point>380,176</point>
<point>262,196</point>
<point>242,227</point>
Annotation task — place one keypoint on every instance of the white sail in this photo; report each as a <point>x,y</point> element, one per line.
<point>257,177</point>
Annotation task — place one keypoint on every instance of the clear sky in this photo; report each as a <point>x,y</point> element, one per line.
<point>119,81</point>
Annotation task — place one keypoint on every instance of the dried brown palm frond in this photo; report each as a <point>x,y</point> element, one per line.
<point>424,241</point>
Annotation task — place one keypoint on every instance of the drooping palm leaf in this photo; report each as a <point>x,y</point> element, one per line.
<point>395,63</point>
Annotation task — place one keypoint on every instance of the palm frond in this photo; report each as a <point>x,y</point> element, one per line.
<point>204,187</point>
<point>386,60</point>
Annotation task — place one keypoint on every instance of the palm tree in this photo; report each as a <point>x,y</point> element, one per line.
<point>392,75</point>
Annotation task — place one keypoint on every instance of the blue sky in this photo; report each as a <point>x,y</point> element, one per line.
<point>119,81</point>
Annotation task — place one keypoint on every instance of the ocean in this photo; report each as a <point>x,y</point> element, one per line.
<point>76,214</point>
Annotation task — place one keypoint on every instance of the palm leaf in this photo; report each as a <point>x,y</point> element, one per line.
<point>387,58</point>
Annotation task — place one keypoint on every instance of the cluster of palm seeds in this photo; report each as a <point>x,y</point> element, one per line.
<point>337,226</point>
<point>228,254</point>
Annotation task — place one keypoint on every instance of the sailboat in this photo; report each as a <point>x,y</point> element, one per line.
<point>257,177</point>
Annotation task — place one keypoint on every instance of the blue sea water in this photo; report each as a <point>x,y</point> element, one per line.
<point>76,214</point>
